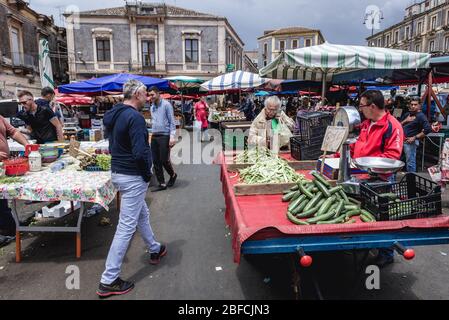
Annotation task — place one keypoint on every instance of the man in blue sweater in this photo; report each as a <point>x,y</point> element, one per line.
<point>131,168</point>
<point>163,138</point>
<point>416,127</point>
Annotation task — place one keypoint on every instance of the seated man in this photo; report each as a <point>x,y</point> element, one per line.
<point>271,120</point>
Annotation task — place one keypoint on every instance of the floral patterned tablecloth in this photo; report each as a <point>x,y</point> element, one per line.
<point>64,185</point>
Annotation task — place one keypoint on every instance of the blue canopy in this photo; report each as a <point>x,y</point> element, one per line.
<point>263,94</point>
<point>113,82</point>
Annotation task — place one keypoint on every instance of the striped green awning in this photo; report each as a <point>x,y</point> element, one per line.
<point>313,63</point>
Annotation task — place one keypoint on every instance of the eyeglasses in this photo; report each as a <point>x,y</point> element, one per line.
<point>364,105</point>
<point>24,102</point>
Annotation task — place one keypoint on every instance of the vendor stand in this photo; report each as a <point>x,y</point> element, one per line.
<point>259,225</point>
<point>66,184</point>
<point>264,224</point>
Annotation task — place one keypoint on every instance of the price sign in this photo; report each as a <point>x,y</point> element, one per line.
<point>334,138</point>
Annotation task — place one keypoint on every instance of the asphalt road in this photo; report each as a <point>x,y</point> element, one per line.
<point>199,265</point>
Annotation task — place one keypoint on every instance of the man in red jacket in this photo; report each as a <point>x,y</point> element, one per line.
<point>381,135</point>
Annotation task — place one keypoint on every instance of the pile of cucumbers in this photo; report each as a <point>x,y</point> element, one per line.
<point>316,202</point>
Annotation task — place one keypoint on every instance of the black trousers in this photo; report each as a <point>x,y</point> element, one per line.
<point>6,219</point>
<point>160,149</point>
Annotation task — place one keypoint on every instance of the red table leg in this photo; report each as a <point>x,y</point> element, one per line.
<point>18,247</point>
<point>78,245</point>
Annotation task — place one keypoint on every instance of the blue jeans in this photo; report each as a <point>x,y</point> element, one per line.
<point>410,155</point>
<point>134,214</point>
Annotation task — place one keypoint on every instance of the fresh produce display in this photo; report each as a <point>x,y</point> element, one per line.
<point>270,170</point>
<point>10,180</point>
<point>104,161</point>
<point>316,202</point>
<point>254,155</point>
<point>86,161</point>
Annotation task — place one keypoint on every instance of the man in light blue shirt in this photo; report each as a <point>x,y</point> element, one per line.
<point>163,138</point>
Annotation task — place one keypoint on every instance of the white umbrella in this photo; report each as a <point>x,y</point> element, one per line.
<point>234,80</point>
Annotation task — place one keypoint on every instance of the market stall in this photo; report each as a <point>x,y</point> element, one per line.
<point>261,220</point>
<point>45,174</point>
<point>236,82</point>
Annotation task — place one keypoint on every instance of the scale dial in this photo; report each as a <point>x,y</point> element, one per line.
<point>348,117</point>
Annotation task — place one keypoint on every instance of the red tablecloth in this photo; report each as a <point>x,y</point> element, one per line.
<point>264,216</point>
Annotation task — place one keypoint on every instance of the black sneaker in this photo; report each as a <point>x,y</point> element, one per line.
<point>155,258</point>
<point>172,181</point>
<point>161,187</point>
<point>118,287</point>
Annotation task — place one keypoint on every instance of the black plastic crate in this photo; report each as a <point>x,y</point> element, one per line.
<point>306,150</point>
<point>417,197</point>
<point>313,124</point>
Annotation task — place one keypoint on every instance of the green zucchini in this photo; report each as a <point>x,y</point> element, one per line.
<point>368,215</point>
<point>326,206</point>
<point>289,196</point>
<point>351,207</point>
<point>303,190</point>
<point>295,188</point>
<point>343,195</point>
<point>335,221</point>
<point>353,213</point>
<point>354,201</point>
<point>323,217</point>
<point>340,208</point>
<point>301,207</point>
<point>322,188</point>
<point>335,190</point>
<point>296,203</point>
<point>308,213</point>
<point>320,178</point>
<point>365,218</point>
<point>295,220</point>
<point>314,201</point>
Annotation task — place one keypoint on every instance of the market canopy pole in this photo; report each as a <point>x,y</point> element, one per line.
<point>323,93</point>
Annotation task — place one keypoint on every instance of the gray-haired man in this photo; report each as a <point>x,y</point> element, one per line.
<point>131,172</point>
<point>267,122</point>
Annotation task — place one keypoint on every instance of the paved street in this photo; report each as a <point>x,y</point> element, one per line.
<point>189,218</point>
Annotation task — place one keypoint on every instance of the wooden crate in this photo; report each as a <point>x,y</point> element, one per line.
<point>270,188</point>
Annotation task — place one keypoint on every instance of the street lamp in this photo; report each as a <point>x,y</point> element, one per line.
<point>373,15</point>
<point>209,52</point>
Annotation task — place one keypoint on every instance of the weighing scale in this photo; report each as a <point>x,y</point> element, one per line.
<point>349,117</point>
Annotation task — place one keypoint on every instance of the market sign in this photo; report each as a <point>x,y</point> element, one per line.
<point>230,67</point>
<point>334,138</point>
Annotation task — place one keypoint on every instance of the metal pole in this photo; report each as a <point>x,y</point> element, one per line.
<point>323,93</point>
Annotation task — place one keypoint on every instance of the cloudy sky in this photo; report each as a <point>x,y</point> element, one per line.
<point>340,21</point>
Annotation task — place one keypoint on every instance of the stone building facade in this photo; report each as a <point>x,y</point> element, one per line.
<point>273,42</point>
<point>151,39</point>
<point>22,29</point>
<point>425,28</point>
